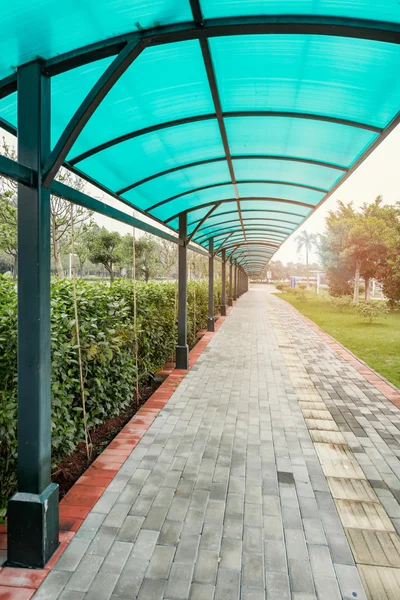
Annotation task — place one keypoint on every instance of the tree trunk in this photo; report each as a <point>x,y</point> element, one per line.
<point>308,272</point>
<point>56,248</point>
<point>367,290</point>
<point>111,271</point>
<point>15,270</point>
<point>357,282</point>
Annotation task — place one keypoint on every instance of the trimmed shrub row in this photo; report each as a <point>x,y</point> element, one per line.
<point>107,342</point>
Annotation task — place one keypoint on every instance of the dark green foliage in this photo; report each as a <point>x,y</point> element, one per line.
<point>107,341</point>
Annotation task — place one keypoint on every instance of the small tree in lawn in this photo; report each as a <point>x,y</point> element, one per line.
<point>307,241</point>
<point>104,249</point>
<point>366,244</point>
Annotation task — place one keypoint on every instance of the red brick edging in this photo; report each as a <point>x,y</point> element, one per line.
<point>21,584</point>
<point>379,382</point>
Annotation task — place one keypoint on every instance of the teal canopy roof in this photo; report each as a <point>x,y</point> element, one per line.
<point>245,114</point>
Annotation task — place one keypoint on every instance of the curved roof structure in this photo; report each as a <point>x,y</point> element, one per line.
<point>245,114</point>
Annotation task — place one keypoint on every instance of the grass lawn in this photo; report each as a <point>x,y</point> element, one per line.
<point>377,344</point>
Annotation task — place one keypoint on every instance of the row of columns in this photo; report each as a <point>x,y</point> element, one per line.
<point>33,519</point>
<point>238,284</point>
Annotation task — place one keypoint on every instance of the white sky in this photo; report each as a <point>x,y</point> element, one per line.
<point>379,174</point>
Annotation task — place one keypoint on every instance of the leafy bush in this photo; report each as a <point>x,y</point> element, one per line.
<point>342,303</point>
<point>301,286</point>
<point>107,342</point>
<point>371,310</point>
<point>282,287</point>
<point>300,294</point>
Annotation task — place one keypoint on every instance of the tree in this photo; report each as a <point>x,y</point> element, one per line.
<point>147,258</point>
<point>307,241</point>
<point>105,249</point>
<point>81,245</point>
<point>356,243</point>
<point>8,211</point>
<point>168,255</point>
<point>61,216</point>
<point>62,219</point>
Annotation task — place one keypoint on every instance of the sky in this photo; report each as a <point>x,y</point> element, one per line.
<point>378,175</point>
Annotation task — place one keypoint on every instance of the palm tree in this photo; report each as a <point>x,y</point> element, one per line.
<point>308,241</point>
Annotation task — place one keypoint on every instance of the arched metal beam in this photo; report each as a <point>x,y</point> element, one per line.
<point>90,103</point>
<point>252,242</point>
<point>283,232</point>
<point>199,163</point>
<point>226,115</point>
<point>242,181</point>
<point>250,210</point>
<point>257,219</point>
<point>235,230</point>
<point>267,24</point>
<point>246,199</point>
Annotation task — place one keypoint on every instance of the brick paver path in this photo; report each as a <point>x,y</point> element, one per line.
<point>270,455</point>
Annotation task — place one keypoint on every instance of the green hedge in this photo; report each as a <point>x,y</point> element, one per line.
<point>106,329</point>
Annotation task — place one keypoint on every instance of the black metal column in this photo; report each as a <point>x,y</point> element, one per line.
<point>33,510</point>
<point>230,298</point>
<point>223,284</point>
<point>211,286</point>
<point>235,282</point>
<point>182,349</point>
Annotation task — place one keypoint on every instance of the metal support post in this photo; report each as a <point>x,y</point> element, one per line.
<point>223,284</point>
<point>230,298</point>
<point>33,522</point>
<point>235,282</point>
<point>211,286</point>
<point>182,349</point>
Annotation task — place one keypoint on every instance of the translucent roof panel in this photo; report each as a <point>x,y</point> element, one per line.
<point>164,83</point>
<point>384,10</point>
<point>135,159</point>
<point>299,138</point>
<point>308,74</point>
<point>281,191</point>
<point>45,28</point>
<point>285,171</point>
<point>178,182</point>
<point>165,211</point>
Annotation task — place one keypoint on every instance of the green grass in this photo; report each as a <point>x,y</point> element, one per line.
<point>377,344</point>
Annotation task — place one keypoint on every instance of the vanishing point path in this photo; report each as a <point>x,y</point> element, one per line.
<point>272,472</point>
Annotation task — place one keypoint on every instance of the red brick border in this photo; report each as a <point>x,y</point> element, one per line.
<point>386,388</point>
<point>21,584</point>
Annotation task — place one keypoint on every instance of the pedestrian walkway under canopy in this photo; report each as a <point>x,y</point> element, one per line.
<point>226,122</point>
<point>272,472</point>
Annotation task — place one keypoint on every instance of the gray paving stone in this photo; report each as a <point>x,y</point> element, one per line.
<point>301,579</point>
<point>72,555</point>
<point>179,581</point>
<point>253,570</point>
<point>277,585</point>
<point>130,528</point>
<point>152,589</point>
<point>103,540</point>
<point>231,553</point>
<point>206,566</point>
<point>116,558</point>
<point>102,587</point>
<point>160,562</point>
<point>53,585</point>
<point>131,578</point>
<point>82,578</point>
<point>275,556</point>
<point>200,591</point>
<point>228,585</point>
<point>350,583</point>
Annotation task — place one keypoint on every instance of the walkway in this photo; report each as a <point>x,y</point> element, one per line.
<point>225,496</point>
